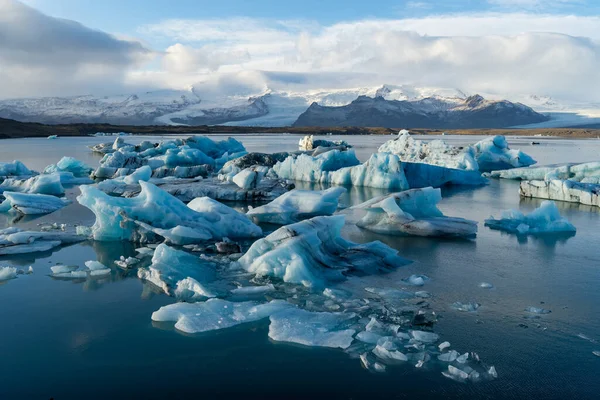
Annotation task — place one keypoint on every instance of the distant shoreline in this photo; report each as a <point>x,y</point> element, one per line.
<point>11,129</point>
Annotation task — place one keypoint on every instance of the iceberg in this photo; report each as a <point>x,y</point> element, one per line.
<point>17,241</point>
<point>486,155</point>
<point>254,159</point>
<point>298,205</point>
<point>420,175</point>
<point>435,152</point>
<point>312,253</point>
<point>69,164</point>
<point>179,274</point>
<point>15,169</point>
<point>583,172</point>
<point>412,212</point>
<point>41,184</point>
<point>250,177</point>
<point>336,167</point>
<point>544,219</point>
<point>7,273</point>
<point>215,314</point>
<point>321,329</point>
<point>309,142</point>
<point>32,203</point>
<point>96,268</point>
<point>119,218</point>
<point>493,154</point>
<point>568,190</point>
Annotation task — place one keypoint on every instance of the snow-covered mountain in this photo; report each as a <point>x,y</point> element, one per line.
<point>430,112</point>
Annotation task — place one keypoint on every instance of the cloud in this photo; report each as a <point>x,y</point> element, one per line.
<point>41,55</point>
<point>536,4</point>
<point>492,53</point>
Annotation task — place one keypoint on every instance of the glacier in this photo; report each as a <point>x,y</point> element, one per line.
<point>544,219</point>
<point>32,203</point>
<point>116,218</point>
<point>297,205</point>
<point>412,212</point>
<point>313,253</point>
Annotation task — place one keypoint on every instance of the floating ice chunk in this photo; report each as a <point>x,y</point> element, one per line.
<point>7,273</point>
<point>486,285</point>
<point>382,170</point>
<point>425,337</point>
<point>444,346</point>
<point>494,154</point>
<point>462,358</point>
<point>416,280</point>
<point>14,169</point>
<point>450,356</point>
<point>16,241</point>
<point>545,219</point>
<point>466,307</point>
<point>435,152</point>
<point>492,372</point>
<point>586,337</point>
<point>68,272</point>
<point>297,205</point>
<point>312,252</point>
<point>313,328</point>
<point>170,266</point>
<point>337,294</point>
<point>32,203</point>
<point>308,142</point>
<point>69,164</point>
<point>115,217</point>
<point>425,175</point>
<point>215,314</point>
<point>30,270</point>
<point>141,174</point>
<point>570,191</point>
<point>584,172</point>
<point>96,268</point>
<point>145,251</point>
<point>41,184</point>
<point>596,353</point>
<point>368,337</point>
<point>249,178</point>
<point>391,293</point>
<point>126,263</point>
<point>253,290</point>
<point>389,356</point>
<point>455,374</point>
<point>537,310</point>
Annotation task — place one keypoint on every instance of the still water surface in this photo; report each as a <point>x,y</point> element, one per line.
<point>96,340</point>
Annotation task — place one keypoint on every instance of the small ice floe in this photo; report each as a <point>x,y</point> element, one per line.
<point>30,270</point>
<point>313,253</point>
<point>126,263</point>
<point>486,285</point>
<point>144,251</point>
<point>70,165</point>
<point>586,337</point>
<point>49,184</point>
<point>416,280</point>
<point>537,310</point>
<point>215,314</point>
<point>596,353</point>
<point>444,345</point>
<point>371,365</point>
<point>16,241</point>
<point>7,273</point>
<point>253,290</point>
<point>54,227</point>
<point>297,205</point>
<point>467,307</point>
<point>543,220</point>
<point>96,268</point>
<point>68,272</point>
<point>322,329</point>
<point>32,203</point>
<point>53,137</point>
<point>425,337</point>
<point>411,212</point>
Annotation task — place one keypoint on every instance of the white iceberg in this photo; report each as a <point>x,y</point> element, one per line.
<point>567,190</point>
<point>309,142</point>
<point>321,329</point>
<point>7,273</point>
<point>312,253</point>
<point>336,167</point>
<point>544,219</point>
<point>412,212</point>
<point>17,241</point>
<point>436,152</point>
<point>215,314</point>
<point>578,172</point>
<point>116,218</point>
<point>41,184</point>
<point>298,205</point>
<point>32,203</point>
<point>179,274</point>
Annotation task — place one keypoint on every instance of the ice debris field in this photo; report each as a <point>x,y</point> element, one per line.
<point>281,257</point>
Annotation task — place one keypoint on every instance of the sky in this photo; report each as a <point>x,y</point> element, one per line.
<point>498,47</point>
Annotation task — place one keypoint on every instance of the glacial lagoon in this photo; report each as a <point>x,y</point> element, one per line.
<point>73,339</point>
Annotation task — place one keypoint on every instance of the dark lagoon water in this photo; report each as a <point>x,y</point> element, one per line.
<point>95,339</point>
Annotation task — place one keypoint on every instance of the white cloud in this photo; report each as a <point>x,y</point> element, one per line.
<point>41,55</point>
